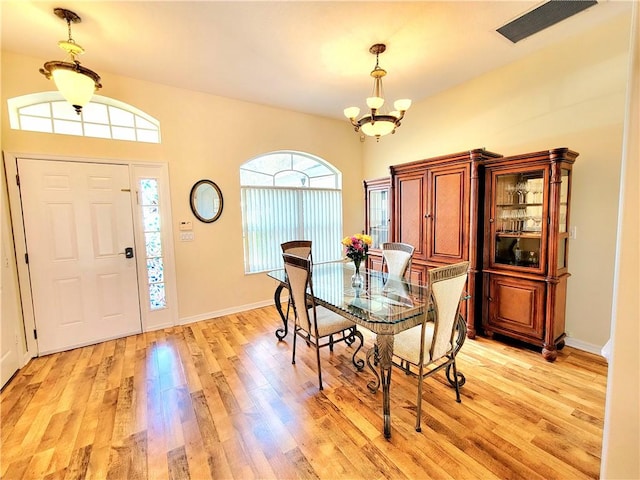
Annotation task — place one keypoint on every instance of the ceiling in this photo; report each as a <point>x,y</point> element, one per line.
<point>309,57</point>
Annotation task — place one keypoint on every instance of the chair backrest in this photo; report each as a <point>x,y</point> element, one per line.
<point>300,248</point>
<point>397,258</point>
<point>446,285</point>
<point>298,271</point>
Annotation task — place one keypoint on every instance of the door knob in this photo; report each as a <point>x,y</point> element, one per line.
<point>128,252</point>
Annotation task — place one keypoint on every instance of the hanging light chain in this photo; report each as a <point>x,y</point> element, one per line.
<point>71,40</point>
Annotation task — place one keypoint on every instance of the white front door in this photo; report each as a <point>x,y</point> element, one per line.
<point>78,223</point>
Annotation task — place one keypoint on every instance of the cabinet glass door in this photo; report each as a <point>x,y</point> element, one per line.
<point>563,221</point>
<point>518,218</point>
<point>378,217</point>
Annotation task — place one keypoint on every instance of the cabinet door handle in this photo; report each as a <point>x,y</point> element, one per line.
<point>490,299</point>
<point>428,215</point>
<point>491,220</point>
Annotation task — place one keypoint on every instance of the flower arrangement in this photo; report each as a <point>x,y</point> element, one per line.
<point>356,248</point>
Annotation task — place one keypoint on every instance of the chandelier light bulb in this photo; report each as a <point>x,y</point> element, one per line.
<point>378,129</point>
<point>375,103</point>
<point>351,112</point>
<point>402,105</point>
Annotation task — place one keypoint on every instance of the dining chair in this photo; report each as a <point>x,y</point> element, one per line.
<point>431,346</point>
<point>396,258</point>
<point>301,248</point>
<point>318,325</point>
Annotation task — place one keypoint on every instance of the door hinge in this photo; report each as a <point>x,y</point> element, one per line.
<point>35,333</point>
<point>26,258</point>
<point>17,179</point>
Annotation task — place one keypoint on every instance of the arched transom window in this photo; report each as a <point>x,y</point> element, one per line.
<point>286,196</point>
<point>103,117</point>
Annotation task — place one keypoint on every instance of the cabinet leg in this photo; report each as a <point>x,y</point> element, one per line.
<point>549,352</point>
<point>471,333</point>
<point>560,345</point>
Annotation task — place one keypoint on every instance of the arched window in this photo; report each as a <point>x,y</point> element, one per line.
<point>103,117</point>
<point>289,196</point>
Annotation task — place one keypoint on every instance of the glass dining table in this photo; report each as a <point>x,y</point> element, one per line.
<point>383,305</point>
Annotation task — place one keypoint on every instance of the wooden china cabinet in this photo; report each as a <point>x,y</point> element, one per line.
<point>526,247</point>
<point>377,219</point>
<point>437,208</point>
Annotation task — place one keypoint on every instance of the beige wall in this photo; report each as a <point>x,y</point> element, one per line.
<point>621,439</point>
<point>203,136</point>
<point>571,95</point>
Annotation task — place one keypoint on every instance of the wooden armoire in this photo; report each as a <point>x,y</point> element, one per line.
<point>436,206</point>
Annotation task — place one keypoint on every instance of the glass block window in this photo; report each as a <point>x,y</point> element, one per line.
<point>103,117</point>
<point>150,205</point>
<point>285,196</point>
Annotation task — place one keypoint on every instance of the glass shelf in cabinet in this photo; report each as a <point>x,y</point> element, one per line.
<point>520,205</point>
<point>521,234</point>
<point>522,263</point>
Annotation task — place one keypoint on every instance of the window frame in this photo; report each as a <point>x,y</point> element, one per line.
<point>15,104</point>
<point>330,248</point>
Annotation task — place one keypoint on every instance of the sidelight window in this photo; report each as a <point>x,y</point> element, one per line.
<point>150,205</point>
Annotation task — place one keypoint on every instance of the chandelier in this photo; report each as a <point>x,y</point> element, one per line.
<point>75,82</point>
<point>377,123</point>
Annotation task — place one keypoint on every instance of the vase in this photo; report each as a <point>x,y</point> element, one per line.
<point>357,281</point>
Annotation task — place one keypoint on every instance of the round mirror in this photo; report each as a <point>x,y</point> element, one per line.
<point>206,201</point>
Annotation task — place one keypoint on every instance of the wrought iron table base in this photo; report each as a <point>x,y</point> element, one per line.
<point>281,332</point>
<point>382,353</point>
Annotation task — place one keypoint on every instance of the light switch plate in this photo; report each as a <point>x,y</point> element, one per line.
<point>186,236</point>
<point>185,226</point>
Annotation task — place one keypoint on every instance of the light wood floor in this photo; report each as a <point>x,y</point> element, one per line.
<point>220,399</point>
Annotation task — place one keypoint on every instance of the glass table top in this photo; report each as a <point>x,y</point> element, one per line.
<point>383,299</point>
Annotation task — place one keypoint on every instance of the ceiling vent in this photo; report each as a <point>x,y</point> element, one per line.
<point>544,16</point>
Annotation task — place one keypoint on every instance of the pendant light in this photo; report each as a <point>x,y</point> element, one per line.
<point>76,83</point>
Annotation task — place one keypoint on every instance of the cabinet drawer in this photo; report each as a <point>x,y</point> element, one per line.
<point>516,306</point>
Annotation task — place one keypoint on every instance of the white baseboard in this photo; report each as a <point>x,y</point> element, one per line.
<point>221,313</point>
<point>585,346</point>
<point>26,358</point>
<point>154,328</point>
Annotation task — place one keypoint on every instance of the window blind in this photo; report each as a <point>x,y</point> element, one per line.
<point>273,215</point>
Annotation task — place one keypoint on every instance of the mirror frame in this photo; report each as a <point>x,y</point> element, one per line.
<point>192,201</point>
